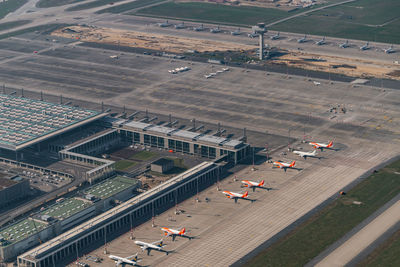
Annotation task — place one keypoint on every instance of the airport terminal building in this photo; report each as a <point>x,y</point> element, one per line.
<point>177,140</point>
<point>132,212</point>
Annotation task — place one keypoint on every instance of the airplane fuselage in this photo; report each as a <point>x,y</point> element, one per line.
<point>122,260</point>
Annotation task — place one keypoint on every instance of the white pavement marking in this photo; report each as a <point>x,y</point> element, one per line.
<point>363,238</point>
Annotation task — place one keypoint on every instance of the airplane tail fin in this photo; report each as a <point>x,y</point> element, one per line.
<point>182,232</point>
<point>330,144</point>
<point>245,194</point>
<point>292,164</point>
<point>160,243</point>
<point>261,183</point>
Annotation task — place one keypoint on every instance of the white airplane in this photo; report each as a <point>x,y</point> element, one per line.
<point>199,29</point>
<point>316,83</point>
<point>365,47</point>
<point>321,42</point>
<point>306,154</point>
<point>225,69</point>
<point>253,185</point>
<point>253,35</point>
<point>215,30</point>
<point>321,145</point>
<point>235,196</point>
<point>158,245</point>
<point>114,56</point>
<point>345,44</point>
<point>389,50</point>
<point>173,71</point>
<point>180,26</point>
<point>208,76</point>
<point>174,233</point>
<point>164,24</point>
<point>302,40</point>
<point>131,260</point>
<point>284,165</point>
<point>276,36</point>
<point>237,32</point>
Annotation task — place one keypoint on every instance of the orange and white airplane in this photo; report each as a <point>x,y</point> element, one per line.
<point>251,184</point>
<point>234,195</point>
<point>174,233</point>
<point>284,165</point>
<point>321,145</point>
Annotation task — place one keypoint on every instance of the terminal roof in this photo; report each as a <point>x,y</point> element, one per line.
<point>24,121</point>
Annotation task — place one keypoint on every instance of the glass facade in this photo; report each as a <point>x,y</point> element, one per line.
<point>205,151</point>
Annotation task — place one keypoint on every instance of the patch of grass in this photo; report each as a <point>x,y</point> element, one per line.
<point>12,24</point>
<point>358,20</point>
<point>52,3</point>
<point>41,28</point>
<point>124,164</point>
<point>207,12</point>
<point>387,254</point>
<point>92,5</point>
<point>10,6</point>
<point>144,155</point>
<point>128,6</point>
<point>327,226</point>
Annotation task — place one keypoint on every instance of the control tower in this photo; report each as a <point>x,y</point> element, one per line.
<point>260,30</point>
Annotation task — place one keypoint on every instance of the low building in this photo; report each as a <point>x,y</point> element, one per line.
<point>63,215</point>
<point>13,189</point>
<point>162,165</point>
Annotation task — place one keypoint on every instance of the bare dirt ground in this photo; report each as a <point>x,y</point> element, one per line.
<point>174,44</point>
<point>342,65</point>
<point>146,40</point>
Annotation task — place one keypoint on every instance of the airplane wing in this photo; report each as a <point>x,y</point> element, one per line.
<point>118,263</point>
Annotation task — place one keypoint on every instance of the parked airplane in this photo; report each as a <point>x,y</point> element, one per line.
<point>321,145</point>
<point>365,47</point>
<point>235,196</point>
<point>253,185</point>
<point>276,36</point>
<point>164,24</point>
<point>253,35</point>
<point>225,69</point>
<point>131,260</point>
<point>174,233</point>
<point>305,154</point>
<point>345,44</point>
<point>215,30</point>
<point>158,245</point>
<point>321,42</point>
<point>208,76</point>
<point>237,32</point>
<point>389,50</point>
<point>284,165</point>
<point>199,29</point>
<point>302,40</point>
<point>180,26</point>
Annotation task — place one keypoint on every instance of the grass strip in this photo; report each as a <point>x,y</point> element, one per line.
<point>10,6</point>
<point>41,28</point>
<point>12,24</point>
<point>125,7</point>
<point>124,164</point>
<point>53,3</point>
<point>143,155</point>
<point>313,236</point>
<point>92,5</point>
<point>214,13</point>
